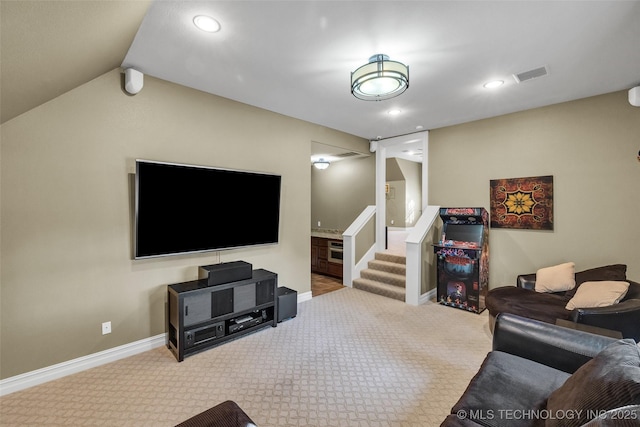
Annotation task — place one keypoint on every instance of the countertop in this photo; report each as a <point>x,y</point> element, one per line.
<point>327,233</point>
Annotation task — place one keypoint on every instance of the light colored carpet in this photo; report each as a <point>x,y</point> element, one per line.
<point>350,358</point>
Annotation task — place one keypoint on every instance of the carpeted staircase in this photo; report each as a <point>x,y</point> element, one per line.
<point>386,275</point>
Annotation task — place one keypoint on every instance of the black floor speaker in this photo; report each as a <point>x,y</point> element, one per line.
<point>287,303</point>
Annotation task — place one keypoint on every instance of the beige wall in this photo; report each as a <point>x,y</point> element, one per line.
<point>404,200</point>
<point>65,216</point>
<point>66,210</point>
<point>413,192</point>
<point>590,148</point>
<point>395,204</point>
<point>341,192</point>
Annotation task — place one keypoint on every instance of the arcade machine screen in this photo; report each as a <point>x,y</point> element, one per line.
<point>464,234</point>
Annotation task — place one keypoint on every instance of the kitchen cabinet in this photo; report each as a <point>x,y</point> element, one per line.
<point>326,256</point>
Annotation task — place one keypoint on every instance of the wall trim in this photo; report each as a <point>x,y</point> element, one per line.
<point>54,372</point>
<point>426,297</point>
<point>304,297</point>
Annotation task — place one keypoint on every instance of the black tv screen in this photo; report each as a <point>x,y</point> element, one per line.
<point>464,232</point>
<point>183,209</point>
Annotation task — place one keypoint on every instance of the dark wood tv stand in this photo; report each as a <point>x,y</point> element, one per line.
<point>200,316</point>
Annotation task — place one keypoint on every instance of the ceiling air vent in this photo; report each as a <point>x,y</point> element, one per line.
<point>347,154</point>
<point>531,74</point>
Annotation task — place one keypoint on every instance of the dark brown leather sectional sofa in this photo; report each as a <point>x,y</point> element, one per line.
<point>524,301</point>
<point>540,374</point>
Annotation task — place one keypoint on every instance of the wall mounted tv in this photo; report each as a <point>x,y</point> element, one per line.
<point>182,209</point>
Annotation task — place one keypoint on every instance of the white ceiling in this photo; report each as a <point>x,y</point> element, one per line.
<point>295,57</point>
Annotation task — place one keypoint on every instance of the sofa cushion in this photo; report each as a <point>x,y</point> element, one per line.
<point>546,307</point>
<point>557,278</point>
<point>598,294</point>
<point>608,381</point>
<point>507,382</point>
<point>607,272</point>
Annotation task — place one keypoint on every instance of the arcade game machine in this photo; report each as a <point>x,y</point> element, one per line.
<point>463,258</point>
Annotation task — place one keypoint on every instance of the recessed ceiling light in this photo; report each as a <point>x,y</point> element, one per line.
<point>419,127</point>
<point>494,84</point>
<point>394,112</point>
<point>206,23</point>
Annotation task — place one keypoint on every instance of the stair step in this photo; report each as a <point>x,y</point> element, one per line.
<point>380,288</point>
<point>397,280</point>
<point>386,276</point>
<point>383,256</point>
<point>388,266</point>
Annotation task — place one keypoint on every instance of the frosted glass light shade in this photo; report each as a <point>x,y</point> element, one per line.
<point>321,164</point>
<point>379,79</point>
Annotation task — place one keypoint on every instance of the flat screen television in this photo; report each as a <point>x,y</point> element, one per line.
<point>182,209</point>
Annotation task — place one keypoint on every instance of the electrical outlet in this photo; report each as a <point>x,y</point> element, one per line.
<point>318,223</point>
<point>106,328</point>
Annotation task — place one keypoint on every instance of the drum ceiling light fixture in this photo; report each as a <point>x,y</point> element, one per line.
<point>321,164</point>
<point>380,79</point>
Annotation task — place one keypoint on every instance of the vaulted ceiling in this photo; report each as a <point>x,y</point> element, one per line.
<point>50,47</point>
<point>295,57</point>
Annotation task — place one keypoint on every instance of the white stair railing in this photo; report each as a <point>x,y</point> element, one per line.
<point>420,257</point>
<point>360,247</point>
<point>359,244</point>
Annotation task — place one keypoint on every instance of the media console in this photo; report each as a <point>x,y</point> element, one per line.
<point>201,316</point>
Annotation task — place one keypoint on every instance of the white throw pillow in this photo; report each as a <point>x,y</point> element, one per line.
<point>558,278</point>
<point>598,294</point>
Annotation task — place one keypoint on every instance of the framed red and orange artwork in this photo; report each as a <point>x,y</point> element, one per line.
<point>523,203</point>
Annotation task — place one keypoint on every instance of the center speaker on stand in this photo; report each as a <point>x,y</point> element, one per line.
<point>217,274</point>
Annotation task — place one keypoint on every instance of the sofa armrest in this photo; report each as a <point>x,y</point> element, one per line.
<point>551,345</point>
<point>633,292</point>
<point>526,281</point>
<point>623,317</point>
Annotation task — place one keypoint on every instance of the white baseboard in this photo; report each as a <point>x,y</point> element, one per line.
<point>50,373</point>
<point>304,297</point>
<point>428,296</point>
